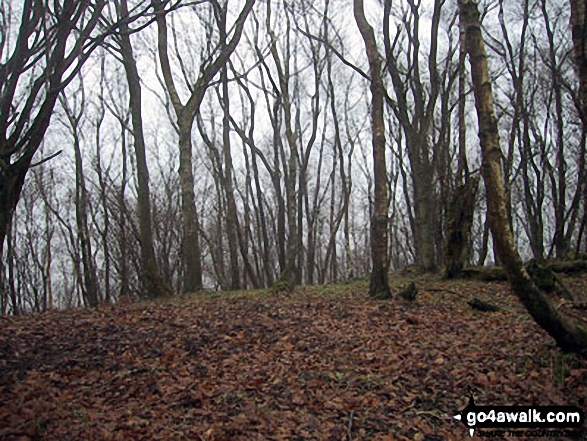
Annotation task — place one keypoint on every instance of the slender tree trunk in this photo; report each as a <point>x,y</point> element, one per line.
<point>48,301</point>
<point>379,285</point>
<point>579,32</point>
<point>463,165</point>
<point>123,242</point>
<point>104,230</point>
<point>186,113</point>
<point>231,210</point>
<point>568,335</point>
<point>190,248</point>
<point>267,266</point>
<point>151,280</point>
<point>290,273</point>
<point>90,280</point>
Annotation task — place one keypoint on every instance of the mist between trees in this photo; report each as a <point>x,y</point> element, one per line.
<point>159,147</point>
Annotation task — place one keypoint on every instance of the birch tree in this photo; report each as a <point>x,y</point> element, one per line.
<point>570,336</point>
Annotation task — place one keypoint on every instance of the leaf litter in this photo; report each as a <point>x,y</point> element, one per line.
<point>323,363</point>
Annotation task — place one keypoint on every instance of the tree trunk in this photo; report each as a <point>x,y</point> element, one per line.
<point>231,210</point>
<point>11,183</point>
<point>89,286</point>
<point>190,248</point>
<point>379,285</point>
<point>186,113</point>
<point>579,31</point>
<point>422,180</point>
<point>290,273</point>
<point>459,222</point>
<point>151,280</point>
<point>568,335</point>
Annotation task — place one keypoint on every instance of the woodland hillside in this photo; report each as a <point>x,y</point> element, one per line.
<point>320,363</point>
<point>275,219</point>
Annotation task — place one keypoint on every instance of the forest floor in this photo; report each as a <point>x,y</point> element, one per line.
<point>322,363</point>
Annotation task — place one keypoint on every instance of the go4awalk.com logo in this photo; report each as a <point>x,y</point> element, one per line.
<point>522,420</point>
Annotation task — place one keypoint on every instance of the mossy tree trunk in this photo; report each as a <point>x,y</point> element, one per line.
<point>569,335</point>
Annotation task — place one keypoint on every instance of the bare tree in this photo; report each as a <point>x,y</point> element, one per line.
<point>290,272</point>
<point>379,285</point>
<point>185,114</point>
<point>73,114</point>
<point>150,278</point>
<point>51,45</point>
<point>414,105</point>
<point>569,335</point>
<point>256,191</point>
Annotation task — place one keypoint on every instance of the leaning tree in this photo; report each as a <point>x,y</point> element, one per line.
<point>569,335</point>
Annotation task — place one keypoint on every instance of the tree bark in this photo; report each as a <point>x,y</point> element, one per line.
<point>186,113</point>
<point>459,222</point>
<point>291,272</point>
<point>579,32</point>
<point>379,284</point>
<point>89,285</point>
<point>151,280</point>
<point>190,249</point>
<point>568,335</point>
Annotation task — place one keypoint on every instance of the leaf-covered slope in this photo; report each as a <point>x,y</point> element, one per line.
<point>321,364</point>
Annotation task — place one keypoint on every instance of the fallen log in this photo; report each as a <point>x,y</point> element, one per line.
<point>485,274</point>
<point>568,267</point>
<point>497,274</point>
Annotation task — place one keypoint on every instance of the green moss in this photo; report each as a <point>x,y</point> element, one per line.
<point>583,332</point>
<point>282,287</point>
<point>561,367</point>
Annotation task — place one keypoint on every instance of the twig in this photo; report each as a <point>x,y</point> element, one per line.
<point>349,435</point>
<point>47,159</point>
<point>429,413</point>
